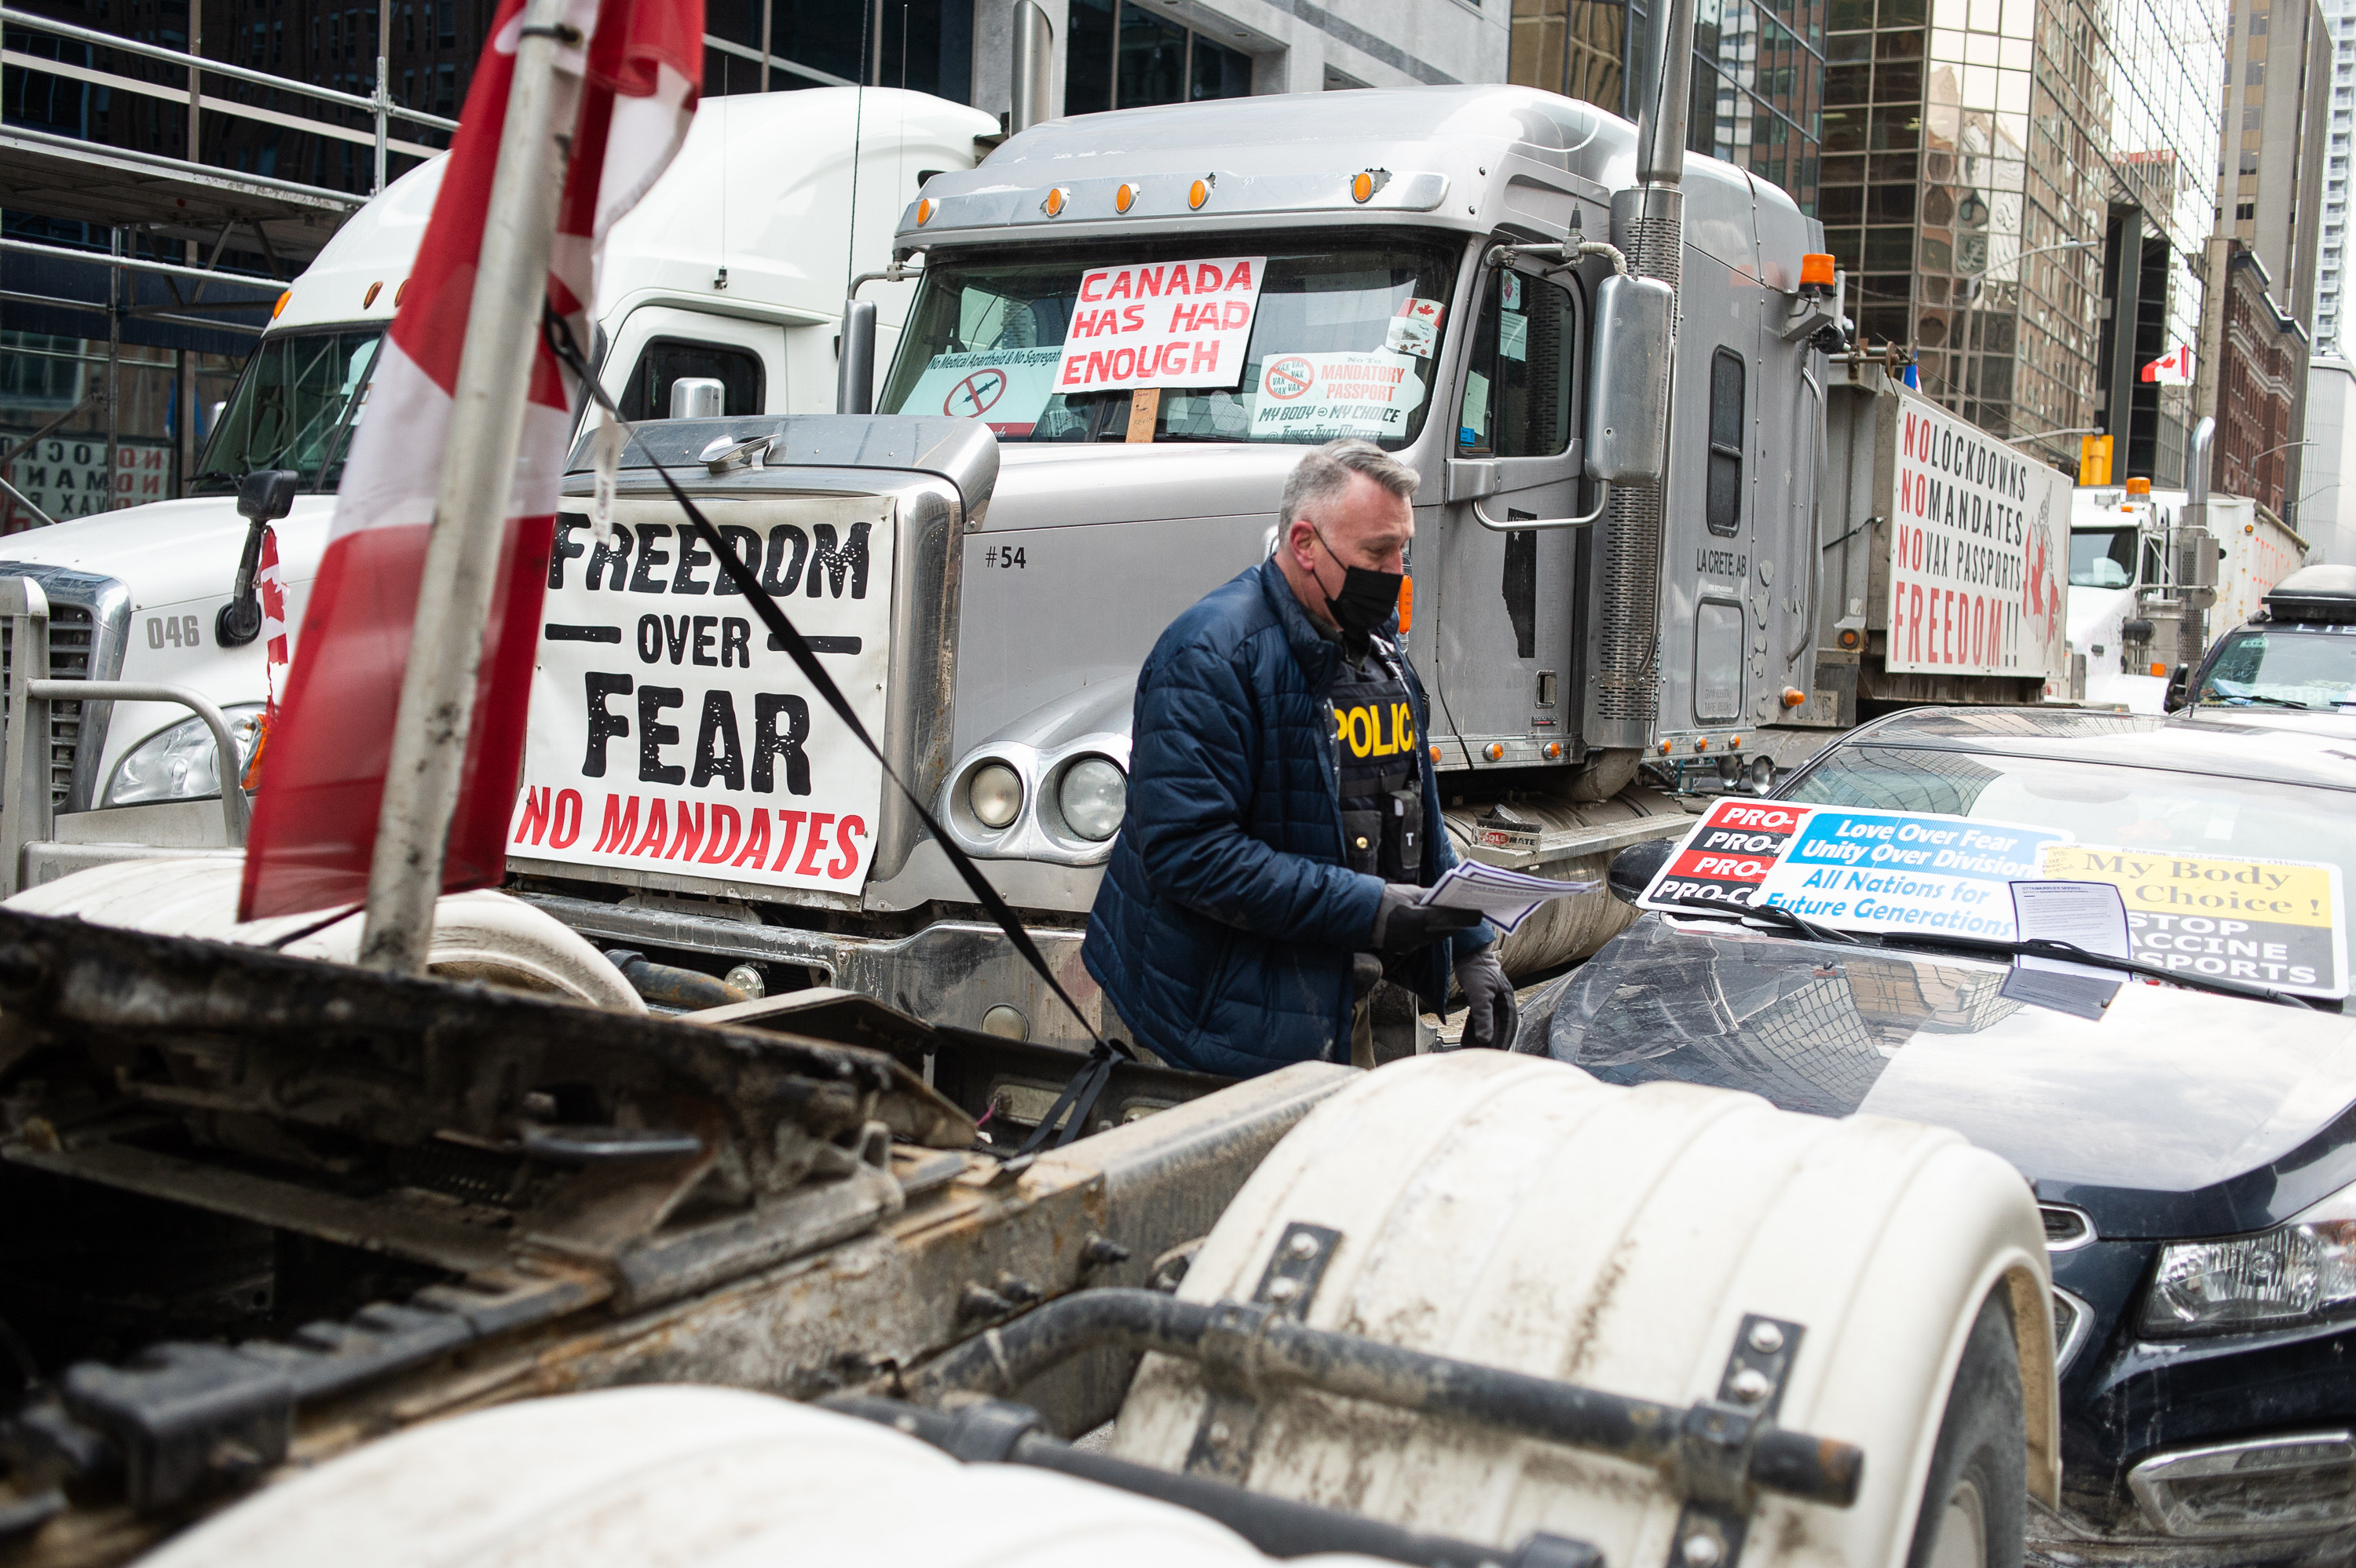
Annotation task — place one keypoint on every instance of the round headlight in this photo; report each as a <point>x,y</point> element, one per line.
<point>1094,796</point>
<point>995,794</point>
<point>181,762</point>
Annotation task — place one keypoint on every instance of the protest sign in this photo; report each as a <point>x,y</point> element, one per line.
<point>2276,923</point>
<point>1170,323</point>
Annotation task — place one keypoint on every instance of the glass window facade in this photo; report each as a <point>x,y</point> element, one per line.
<point>1758,75</point>
<point>1976,156</point>
<point>1123,55</point>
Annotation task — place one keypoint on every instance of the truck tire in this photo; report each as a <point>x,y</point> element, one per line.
<point>1512,1210</point>
<point>1974,1504</point>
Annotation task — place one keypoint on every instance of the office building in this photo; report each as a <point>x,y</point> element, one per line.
<point>2262,267</point>
<point>1757,97</point>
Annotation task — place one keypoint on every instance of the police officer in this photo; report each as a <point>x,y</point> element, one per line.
<point>1283,809</point>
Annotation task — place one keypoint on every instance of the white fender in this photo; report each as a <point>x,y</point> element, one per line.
<point>1513,1211</point>
<point>483,936</point>
<point>694,1478</point>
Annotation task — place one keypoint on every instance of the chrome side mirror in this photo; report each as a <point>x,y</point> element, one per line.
<point>1628,397</point>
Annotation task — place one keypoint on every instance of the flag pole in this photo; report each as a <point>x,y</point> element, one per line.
<point>464,552</point>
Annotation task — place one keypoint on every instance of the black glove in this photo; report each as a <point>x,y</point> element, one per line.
<point>1402,925</point>
<point>1495,1016</point>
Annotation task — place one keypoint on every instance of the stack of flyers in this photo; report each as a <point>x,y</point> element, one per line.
<point>1504,898</point>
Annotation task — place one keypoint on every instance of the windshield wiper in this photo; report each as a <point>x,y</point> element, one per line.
<point>1771,914</point>
<point>2260,696</point>
<point>2049,947</point>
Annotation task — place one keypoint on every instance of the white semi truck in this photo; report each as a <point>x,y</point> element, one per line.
<point>730,271</point>
<point>2127,613</point>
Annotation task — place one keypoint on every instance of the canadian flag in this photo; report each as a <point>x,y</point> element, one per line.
<point>636,70</point>
<point>2173,369</point>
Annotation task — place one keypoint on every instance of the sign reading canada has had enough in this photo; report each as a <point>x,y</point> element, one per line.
<point>2276,923</point>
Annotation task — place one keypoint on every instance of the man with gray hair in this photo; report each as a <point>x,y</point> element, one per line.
<point>1283,808</point>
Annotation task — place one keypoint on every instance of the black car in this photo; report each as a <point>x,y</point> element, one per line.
<point>2298,652</point>
<point>2192,1146</point>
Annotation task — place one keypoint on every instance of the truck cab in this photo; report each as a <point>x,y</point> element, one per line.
<point>725,271</point>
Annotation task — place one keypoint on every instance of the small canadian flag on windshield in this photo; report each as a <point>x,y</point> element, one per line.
<point>2173,369</point>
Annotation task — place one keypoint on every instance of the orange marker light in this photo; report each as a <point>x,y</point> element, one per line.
<point>1407,603</point>
<point>1494,752</point>
<point>1793,696</point>
<point>1363,188</point>
<point>1435,754</point>
<point>1701,745</point>
<point>1197,194</point>
<point>924,210</point>
<point>284,295</point>
<point>401,289</point>
<point>2138,486</point>
<point>368,298</point>
<point>1848,637</point>
<point>1554,749</point>
<point>1124,198</point>
<point>1736,742</point>
<point>1665,747</point>
<point>1054,205</point>
<point>2159,669</point>
<point>1816,270</point>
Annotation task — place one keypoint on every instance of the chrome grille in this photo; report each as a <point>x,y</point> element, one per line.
<point>89,624</point>
<point>73,634</point>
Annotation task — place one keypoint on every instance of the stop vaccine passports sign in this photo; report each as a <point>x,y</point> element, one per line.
<point>1857,869</point>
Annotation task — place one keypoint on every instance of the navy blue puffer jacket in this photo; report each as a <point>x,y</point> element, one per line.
<point>1225,926</point>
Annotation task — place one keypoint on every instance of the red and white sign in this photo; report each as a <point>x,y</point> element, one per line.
<point>1978,547</point>
<point>1171,323</point>
<point>2173,369</point>
<point>627,77</point>
<point>669,735</point>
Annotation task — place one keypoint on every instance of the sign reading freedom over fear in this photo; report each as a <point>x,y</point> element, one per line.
<point>669,735</point>
<point>1170,324</point>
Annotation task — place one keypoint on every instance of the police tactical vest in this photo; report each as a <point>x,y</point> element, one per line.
<point>1381,749</point>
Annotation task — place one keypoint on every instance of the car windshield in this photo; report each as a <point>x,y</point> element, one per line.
<point>2225,876</point>
<point>2313,670</point>
<point>1343,342</point>
<point>294,407</point>
<point>2102,558</point>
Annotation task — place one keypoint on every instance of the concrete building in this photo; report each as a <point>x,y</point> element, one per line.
<point>2251,378</point>
<point>2340,120</point>
<point>1757,76</point>
<point>2269,219</point>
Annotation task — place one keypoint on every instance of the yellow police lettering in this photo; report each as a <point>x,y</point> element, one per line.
<point>1402,727</point>
<point>1362,730</point>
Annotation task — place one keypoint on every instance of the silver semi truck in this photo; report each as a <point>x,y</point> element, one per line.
<point>1477,278</point>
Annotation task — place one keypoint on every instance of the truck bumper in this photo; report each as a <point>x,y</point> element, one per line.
<point>951,972</point>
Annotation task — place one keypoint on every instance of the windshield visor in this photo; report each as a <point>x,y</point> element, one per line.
<point>1340,342</point>
<point>2228,878</point>
<point>296,406</point>
<point>2307,669</point>
<point>2102,558</point>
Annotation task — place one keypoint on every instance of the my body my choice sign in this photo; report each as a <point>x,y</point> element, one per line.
<point>2278,923</point>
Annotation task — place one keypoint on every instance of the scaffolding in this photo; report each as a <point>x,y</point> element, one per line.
<point>139,196</point>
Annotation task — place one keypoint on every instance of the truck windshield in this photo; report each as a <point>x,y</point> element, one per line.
<point>294,407</point>
<point>2309,669</point>
<point>2102,558</point>
<point>1343,342</point>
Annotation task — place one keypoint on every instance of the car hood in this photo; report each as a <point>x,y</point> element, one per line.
<point>2177,1113</point>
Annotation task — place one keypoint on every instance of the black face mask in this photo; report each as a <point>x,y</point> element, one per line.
<point>1369,598</point>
